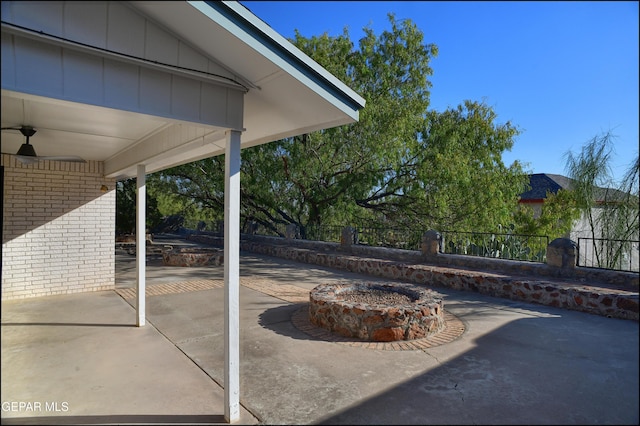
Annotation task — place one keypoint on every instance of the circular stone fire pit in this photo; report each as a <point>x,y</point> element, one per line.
<point>377,312</point>
<point>193,257</point>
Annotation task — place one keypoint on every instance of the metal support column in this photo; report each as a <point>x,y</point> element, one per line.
<point>232,277</point>
<point>141,244</point>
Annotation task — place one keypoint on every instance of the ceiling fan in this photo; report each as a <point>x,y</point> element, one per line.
<point>27,153</point>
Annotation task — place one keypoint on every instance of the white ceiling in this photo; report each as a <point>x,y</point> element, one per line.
<point>66,128</point>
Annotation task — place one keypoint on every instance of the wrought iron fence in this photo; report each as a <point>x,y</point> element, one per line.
<point>321,233</point>
<point>531,248</point>
<point>621,255</point>
<point>255,228</point>
<point>388,237</point>
<point>595,253</point>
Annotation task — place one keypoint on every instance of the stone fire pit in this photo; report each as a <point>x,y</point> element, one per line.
<point>377,312</point>
<point>193,257</point>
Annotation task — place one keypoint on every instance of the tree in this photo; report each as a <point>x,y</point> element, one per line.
<point>611,213</point>
<point>331,172</point>
<point>194,190</point>
<point>460,180</point>
<point>556,219</point>
<point>400,165</point>
<point>126,208</point>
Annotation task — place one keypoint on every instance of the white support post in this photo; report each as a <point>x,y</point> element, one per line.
<point>232,277</point>
<point>141,244</point>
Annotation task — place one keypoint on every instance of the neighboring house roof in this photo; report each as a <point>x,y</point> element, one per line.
<point>543,183</point>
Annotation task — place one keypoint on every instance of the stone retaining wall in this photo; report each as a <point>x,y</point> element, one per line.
<point>527,284</point>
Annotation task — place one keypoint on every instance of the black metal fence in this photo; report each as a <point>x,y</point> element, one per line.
<point>255,228</point>
<point>592,253</point>
<point>321,233</point>
<point>388,237</point>
<point>621,255</point>
<point>530,248</point>
<point>505,246</point>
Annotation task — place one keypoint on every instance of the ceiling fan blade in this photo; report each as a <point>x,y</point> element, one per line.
<point>69,158</point>
<point>27,159</point>
<point>27,154</point>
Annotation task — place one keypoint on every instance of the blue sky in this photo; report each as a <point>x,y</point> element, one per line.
<point>562,72</point>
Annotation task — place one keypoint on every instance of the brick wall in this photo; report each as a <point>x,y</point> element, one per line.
<point>58,228</point>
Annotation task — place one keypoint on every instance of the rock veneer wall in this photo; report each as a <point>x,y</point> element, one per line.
<point>535,283</point>
<point>192,257</point>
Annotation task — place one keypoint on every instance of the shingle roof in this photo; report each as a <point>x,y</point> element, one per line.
<point>542,183</point>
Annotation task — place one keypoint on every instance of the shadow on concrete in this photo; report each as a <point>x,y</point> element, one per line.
<point>529,371</point>
<point>278,320</point>
<point>272,318</point>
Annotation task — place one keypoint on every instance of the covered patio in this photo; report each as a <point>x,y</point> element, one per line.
<point>133,88</point>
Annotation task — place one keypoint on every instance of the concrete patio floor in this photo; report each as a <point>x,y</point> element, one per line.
<point>79,359</point>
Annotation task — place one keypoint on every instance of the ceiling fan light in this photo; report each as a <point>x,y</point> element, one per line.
<point>27,150</point>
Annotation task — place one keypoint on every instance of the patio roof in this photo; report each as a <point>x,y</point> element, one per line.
<point>285,93</point>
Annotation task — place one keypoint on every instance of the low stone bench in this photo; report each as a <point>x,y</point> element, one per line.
<point>599,300</point>
<point>561,284</point>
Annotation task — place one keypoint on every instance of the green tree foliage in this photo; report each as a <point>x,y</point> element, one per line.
<point>332,172</point>
<point>194,190</point>
<point>555,220</point>
<point>126,208</point>
<point>461,181</point>
<point>400,165</point>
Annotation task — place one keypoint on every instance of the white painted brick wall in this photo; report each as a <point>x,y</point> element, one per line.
<point>58,229</point>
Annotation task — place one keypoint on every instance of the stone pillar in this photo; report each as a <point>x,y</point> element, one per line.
<point>562,253</point>
<point>432,243</point>
<point>291,231</point>
<point>346,237</point>
<point>252,228</point>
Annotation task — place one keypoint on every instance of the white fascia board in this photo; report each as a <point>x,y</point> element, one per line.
<point>244,25</point>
